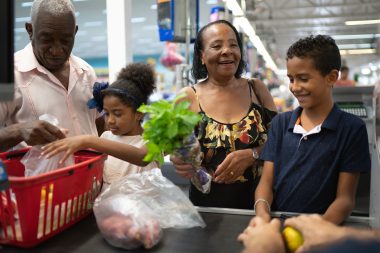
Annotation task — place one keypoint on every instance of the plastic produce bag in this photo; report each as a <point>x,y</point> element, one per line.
<point>190,152</point>
<point>36,164</point>
<point>132,211</point>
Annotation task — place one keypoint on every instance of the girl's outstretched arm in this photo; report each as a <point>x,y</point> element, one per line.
<point>119,150</point>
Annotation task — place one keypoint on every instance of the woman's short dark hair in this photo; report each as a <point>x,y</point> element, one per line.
<point>199,70</point>
<point>321,49</point>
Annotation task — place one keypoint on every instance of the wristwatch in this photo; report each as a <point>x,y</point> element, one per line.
<point>255,154</point>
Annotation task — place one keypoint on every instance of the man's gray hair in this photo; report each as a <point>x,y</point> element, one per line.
<point>55,7</point>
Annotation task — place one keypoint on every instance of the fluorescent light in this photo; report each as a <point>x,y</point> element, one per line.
<point>366,71</point>
<point>138,20</point>
<point>211,1</point>
<point>93,24</point>
<point>244,25</point>
<point>26,4</point>
<point>355,36</point>
<point>247,28</point>
<point>358,51</point>
<point>355,46</point>
<point>363,22</point>
<point>234,7</point>
<point>98,38</point>
<point>22,19</point>
<point>19,30</point>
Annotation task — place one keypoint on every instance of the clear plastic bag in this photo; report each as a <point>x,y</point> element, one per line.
<point>190,152</point>
<point>36,164</point>
<point>132,211</point>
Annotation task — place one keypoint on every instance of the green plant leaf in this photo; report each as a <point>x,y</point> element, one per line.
<point>168,124</point>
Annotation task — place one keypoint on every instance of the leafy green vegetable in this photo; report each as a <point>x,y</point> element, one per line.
<point>169,123</point>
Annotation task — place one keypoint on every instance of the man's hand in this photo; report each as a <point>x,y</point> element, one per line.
<point>33,133</point>
<point>261,236</point>
<point>39,132</point>
<point>316,231</point>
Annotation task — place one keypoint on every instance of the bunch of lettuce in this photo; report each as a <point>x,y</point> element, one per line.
<point>168,125</point>
<point>169,130</point>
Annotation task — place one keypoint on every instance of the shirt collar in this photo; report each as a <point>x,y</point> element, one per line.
<point>331,122</point>
<point>30,62</point>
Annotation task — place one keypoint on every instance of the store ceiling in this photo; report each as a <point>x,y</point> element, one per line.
<point>277,22</point>
<point>281,22</point>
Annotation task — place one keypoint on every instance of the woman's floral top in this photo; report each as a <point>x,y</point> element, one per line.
<point>217,140</point>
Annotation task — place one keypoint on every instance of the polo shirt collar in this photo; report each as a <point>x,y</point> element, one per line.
<point>331,122</point>
<point>293,118</point>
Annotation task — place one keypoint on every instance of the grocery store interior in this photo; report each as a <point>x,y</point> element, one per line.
<point>136,28</point>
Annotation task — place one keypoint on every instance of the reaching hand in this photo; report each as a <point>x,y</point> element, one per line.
<point>261,236</point>
<point>67,145</point>
<point>233,166</point>
<point>315,230</point>
<point>183,169</point>
<point>39,132</point>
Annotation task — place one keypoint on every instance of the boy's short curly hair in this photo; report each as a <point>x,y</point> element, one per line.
<point>322,49</point>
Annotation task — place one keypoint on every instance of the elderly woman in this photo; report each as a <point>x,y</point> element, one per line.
<point>236,113</point>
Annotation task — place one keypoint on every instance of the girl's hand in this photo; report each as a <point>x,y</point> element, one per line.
<point>67,145</point>
<point>234,166</point>
<point>183,169</point>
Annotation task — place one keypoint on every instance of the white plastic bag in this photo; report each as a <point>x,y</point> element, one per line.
<point>36,164</point>
<point>133,210</point>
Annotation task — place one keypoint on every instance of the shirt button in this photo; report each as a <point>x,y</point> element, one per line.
<point>305,138</point>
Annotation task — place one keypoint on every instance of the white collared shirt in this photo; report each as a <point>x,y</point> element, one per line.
<point>38,92</point>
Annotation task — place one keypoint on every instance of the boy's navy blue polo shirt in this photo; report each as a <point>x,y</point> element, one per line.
<point>306,171</point>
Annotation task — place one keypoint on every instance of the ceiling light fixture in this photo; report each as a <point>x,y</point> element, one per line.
<point>356,36</point>
<point>138,20</point>
<point>26,4</point>
<point>363,22</point>
<point>358,51</point>
<point>355,46</point>
<point>247,28</point>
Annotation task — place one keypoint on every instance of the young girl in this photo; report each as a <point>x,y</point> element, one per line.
<point>123,141</point>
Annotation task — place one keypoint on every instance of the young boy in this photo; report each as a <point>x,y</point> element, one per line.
<point>314,154</point>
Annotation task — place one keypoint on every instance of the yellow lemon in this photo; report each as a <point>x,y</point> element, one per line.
<point>293,238</point>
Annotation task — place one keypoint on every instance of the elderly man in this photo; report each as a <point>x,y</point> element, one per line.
<point>49,80</point>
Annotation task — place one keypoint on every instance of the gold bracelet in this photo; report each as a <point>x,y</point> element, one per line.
<point>261,200</point>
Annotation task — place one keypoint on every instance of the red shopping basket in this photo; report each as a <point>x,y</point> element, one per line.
<point>36,208</point>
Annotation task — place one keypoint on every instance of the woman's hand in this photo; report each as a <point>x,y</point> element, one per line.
<point>261,236</point>
<point>183,169</point>
<point>315,230</point>
<point>67,145</point>
<point>234,166</point>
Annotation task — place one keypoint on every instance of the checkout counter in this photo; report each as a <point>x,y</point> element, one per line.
<point>361,101</point>
<point>223,227</point>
